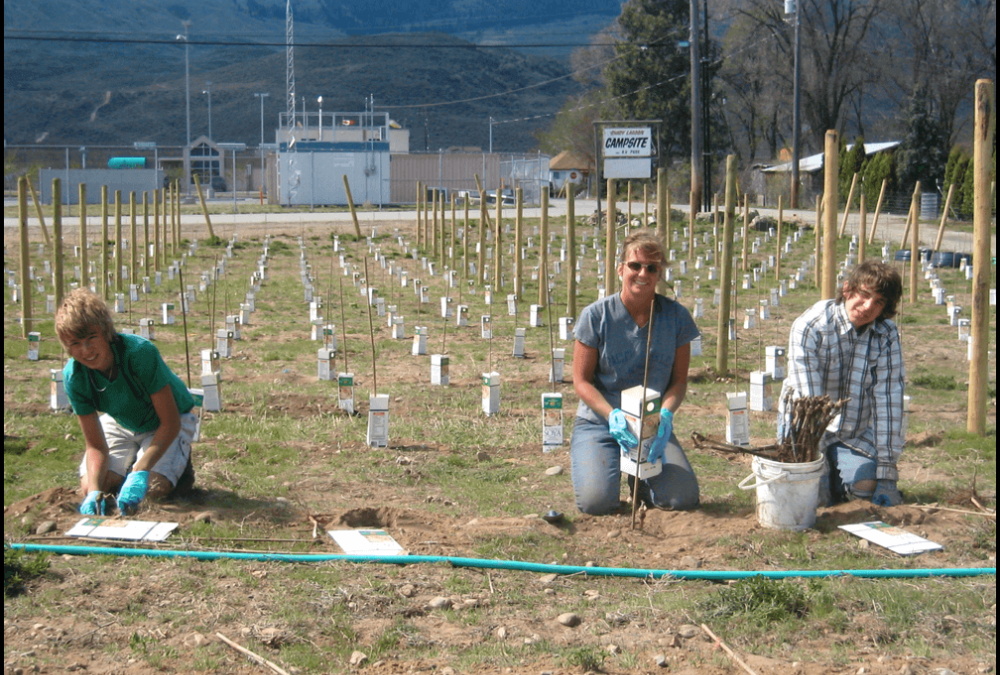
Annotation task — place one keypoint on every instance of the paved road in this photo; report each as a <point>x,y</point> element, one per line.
<point>890,225</point>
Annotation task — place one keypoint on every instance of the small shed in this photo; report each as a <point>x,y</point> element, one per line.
<point>568,167</point>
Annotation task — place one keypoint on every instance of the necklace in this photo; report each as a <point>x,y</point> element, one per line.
<point>93,382</point>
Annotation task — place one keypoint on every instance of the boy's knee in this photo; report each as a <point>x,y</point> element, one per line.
<point>861,489</point>
<point>159,486</point>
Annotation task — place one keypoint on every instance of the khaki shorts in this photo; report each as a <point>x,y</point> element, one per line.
<point>125,448</point>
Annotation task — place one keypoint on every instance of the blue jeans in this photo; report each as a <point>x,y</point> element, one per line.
<point>595,457</point>
<point>847,467</point>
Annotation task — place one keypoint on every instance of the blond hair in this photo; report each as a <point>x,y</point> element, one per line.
<point>644,240</point>
<point>81,313</point>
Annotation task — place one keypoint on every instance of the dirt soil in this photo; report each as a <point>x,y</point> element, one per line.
<point>77,637</point>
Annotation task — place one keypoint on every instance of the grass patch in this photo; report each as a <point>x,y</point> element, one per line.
<point>19,568</point>
<point>939,382</point>
<point>758,601</point>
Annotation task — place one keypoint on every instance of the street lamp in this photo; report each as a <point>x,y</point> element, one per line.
<point>208,90</point>
<point>262,96</point>
<point>319,99</point>
<point>187,89</point>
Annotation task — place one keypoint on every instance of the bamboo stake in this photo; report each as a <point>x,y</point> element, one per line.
<point>543,251</point>
<point>187,350</point>
<point>944,218</point>
<point>746,233</point>
<point>781,227</point>
<point>662,218</point>
<point>371,334</point>
<point>343,322</point>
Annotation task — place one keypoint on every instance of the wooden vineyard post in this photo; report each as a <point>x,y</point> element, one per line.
<point>982,150</point>
<point>726,282</point>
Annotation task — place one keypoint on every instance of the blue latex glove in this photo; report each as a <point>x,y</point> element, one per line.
<point>886,494</point>
<point>663,434</point>
<point>93,505</point>
<point>619,429</point>
<point>133,491</point>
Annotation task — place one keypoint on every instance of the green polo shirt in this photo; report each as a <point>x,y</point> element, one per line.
<point>128,399</point>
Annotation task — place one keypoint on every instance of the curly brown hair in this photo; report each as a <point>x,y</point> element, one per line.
<point>877,277</point>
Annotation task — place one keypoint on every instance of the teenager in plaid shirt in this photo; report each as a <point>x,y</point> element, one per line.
<point>848,348</point>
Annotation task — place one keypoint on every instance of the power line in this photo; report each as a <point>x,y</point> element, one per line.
<point>321,45</point>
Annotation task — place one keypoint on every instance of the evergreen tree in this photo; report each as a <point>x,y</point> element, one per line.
<point>921,156</point>
<point>652,74</point>
<point>880,167</point>
<point>851,162</point>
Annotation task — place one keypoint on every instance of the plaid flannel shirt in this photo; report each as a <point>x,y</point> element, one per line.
<point>827,356</point>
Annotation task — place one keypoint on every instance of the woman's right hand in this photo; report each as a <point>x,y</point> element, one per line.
<point>619,429</point>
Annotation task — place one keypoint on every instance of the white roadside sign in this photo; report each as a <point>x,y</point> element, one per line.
<point>628,142</point>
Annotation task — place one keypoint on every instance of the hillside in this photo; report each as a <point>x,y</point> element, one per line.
<point>128,85</point>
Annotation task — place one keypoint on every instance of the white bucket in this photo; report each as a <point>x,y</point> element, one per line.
<point>787,493</point>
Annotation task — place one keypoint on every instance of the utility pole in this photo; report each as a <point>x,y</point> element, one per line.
<point>696,112</point>
<point>793,7</point>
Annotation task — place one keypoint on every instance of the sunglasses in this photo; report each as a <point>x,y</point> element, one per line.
<point>652,268</point>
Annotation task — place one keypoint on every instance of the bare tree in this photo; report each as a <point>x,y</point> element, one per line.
<point>838,38</point>
<point>941,47</point>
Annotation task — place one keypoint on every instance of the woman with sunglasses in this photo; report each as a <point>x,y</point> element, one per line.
<point>610,356</point>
